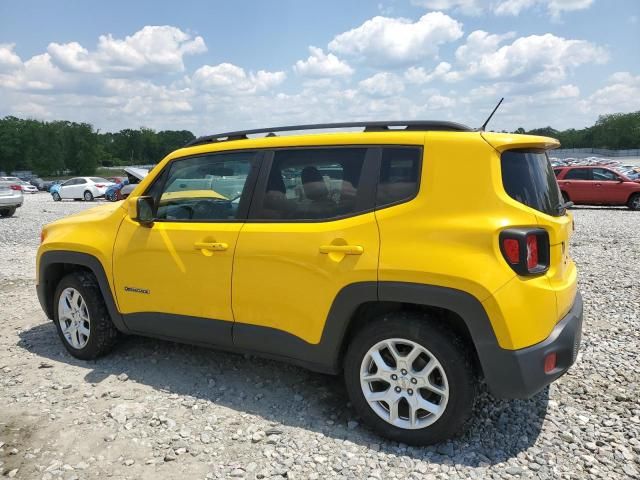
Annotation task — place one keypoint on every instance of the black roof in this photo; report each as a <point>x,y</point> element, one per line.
<point>409,125</point>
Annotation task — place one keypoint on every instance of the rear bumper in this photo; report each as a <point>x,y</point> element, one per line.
<point>11,201</point>
<point>520,373</point>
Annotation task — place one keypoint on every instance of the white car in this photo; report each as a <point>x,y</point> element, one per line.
<point>26,187</point>
<point>85,188</point>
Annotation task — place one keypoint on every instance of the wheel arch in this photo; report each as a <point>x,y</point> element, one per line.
<point>54,265</point>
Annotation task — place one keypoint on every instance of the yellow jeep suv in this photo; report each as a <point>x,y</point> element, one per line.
<point>418,259</point>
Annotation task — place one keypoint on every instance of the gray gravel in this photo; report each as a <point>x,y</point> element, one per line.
<point>155,409</point>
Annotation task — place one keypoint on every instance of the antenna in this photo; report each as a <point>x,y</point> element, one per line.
<point>484,125</point>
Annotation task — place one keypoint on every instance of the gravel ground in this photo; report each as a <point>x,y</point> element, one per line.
<point>154,409</point>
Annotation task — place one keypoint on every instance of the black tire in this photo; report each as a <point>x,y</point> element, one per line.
<point>103,334</point>
<point>448,349</point>
<point>56,196</point>
<point>634,202</point>
<point>87,196</point>
<point>7,212</point>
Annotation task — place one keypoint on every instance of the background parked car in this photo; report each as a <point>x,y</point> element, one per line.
<point>47,184</point>
<point>37,182</point>
<point>122,190</point>
<point>10,198</point>
<point>598,185</point>
<point>81,188</point>
<point>26,187</point>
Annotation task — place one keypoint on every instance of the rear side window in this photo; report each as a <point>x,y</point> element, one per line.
<point>312,184</point>
<point>527,177</point>
<point>578,174</point>
<point>399,174</point>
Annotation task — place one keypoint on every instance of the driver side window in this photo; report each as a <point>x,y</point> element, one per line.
<point>204,189</point>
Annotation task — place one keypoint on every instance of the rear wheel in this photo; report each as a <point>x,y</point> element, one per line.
<point>56,196</point>
<point>634,202</point>
<point>81,317</point>
<point>409,379</point>
<point>88,196</point>
<point>7,212</point>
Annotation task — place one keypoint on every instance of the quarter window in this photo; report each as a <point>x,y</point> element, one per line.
<point>312,184</point>
<point>399,172</point>
<point>207,188</point>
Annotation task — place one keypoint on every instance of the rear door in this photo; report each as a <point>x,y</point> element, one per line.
<point>311,232</point>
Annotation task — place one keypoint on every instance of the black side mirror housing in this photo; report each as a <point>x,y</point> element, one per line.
<point>145,211</point>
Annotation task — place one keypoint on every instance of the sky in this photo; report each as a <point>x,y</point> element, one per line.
<point>215,66</point>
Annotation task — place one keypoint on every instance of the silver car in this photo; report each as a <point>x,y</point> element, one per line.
<point>10,198</point>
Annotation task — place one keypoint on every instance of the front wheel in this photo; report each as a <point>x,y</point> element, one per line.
<point>88,196</point>
<point>410,379</point>
<point>56,196</point>
<point>81,317</point>
<point>634,202</point>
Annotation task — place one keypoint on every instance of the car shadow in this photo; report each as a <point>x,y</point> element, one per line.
<point>499,429</point>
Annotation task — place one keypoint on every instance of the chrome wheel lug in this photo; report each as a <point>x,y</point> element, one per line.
<point>403,371</point>
<point>410,392</point>
<point>398,389</point>
<point>394,377</point>
<point>414,381</point>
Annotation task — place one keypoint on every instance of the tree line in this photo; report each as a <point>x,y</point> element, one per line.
<point>618,131</point>
<point>51,148</point>
<point>54,148</point>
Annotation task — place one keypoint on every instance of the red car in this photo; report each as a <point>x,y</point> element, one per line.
<point>598,185</point>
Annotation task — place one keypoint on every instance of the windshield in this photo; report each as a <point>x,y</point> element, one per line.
<point>527,176</point>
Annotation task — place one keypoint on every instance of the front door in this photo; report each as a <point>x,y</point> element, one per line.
<point>311,232</point>
<point>609,187</point>
<point>173,279</point>
<point>577,183</point>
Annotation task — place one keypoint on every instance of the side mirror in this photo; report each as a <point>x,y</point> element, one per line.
<point>144,211</point>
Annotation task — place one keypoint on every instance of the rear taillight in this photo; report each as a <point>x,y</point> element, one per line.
<point>99,185</point>
<point>526,250</point>
<point>16,187</point>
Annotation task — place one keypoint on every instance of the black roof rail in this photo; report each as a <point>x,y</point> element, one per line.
<point>409,125</point>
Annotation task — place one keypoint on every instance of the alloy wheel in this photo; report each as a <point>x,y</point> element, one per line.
<point>73,317</point>
<point>404,383</point>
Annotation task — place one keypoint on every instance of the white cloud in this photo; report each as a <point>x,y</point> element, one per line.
<point>565,91</point>
<point>480,43</point>
<point>319,64</point>
<point>153,49</point>
<point>468,7</point>
<point>440,102</point>
<point>538,59</point>
<point>383,84</point>
<point>233,80</point>
<point>554,7</point>
<point>384,41</point>
<point>622,94</point>
<point>9,60</point>
<point>420,76</point>
<point>504,7</point>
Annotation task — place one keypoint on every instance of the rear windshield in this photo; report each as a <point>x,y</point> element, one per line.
<point>527,176</point>
<point>99,180</point>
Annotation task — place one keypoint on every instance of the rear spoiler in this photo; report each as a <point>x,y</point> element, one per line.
<point>510,141</point>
